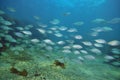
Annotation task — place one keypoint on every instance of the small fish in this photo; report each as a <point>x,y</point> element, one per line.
<point>114,21</point>
<point>70,41</point>
<point>72,30</point>
<point>49,31</point>
<point>1,18</point>
<point>49,48</point>
<point>4,27</point>
<point>76,46</point>
<point>78,37</point>
<point>67,14</point>
<point>95,50</point>
<point>89,57</point>
<point>94,33</point>
<point>60,42</point>
<point>99,20</point>
<point>42,31</point>
<point>58,35</point>
<point>42,25</point>
<point>35,40</point>
<point>76,52</point>
<point>19,28</point>
<point>10,38</point>
<point>102,41</point>
<point>66,47</point>
<point>81,58</point>
<point>102,29</point>
<point>11,9</point>
<point>84,51</point>
<point>66,51</point>
<point>19,34</point>
<point>62,28</point>
<point>7,23</point>
<point>115,51</point>
<point>87,43</point>
<point>97,29</point>
<point>54,28</point>
<point>98,45</point>
<point>55,21</point>
<point>106,28</point>
<point>1,45</point>
<point>109,57</point>
<point>80,23</point>
<point>48,41</point>
<point>114,43</point>
<point>27,32</point>
<point>36,17</point>
<point>2,12</point>
<point>29,26</point>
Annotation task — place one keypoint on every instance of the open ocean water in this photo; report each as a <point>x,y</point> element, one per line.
<point>59,39</point>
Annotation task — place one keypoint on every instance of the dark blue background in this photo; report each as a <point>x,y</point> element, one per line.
<point>81,10</point>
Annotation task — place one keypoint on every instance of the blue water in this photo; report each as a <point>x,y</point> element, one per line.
<point>47,10</point>
<point>84,10</point>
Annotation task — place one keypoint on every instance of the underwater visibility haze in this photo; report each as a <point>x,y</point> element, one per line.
<point>59,39</point>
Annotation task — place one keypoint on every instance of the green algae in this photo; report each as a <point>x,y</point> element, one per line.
<point>42,68</point>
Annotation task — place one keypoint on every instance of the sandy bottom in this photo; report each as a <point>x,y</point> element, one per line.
<point>40,66</point>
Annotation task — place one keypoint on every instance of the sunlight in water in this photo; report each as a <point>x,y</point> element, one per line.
<point>73,3</point>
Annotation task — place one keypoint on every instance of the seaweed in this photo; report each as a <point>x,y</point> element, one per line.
<point>58,63</point>
<point>15,71</point>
